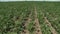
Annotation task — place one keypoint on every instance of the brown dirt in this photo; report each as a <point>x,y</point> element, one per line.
<point>49,24</point>
<point>37,25</point>
<point>25,31</point>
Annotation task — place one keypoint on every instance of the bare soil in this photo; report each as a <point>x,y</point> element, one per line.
<point>25,31</point>
<point>49,24</point>
<point>37,25</point>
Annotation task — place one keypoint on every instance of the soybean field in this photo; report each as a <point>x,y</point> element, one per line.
<point>30,17</point>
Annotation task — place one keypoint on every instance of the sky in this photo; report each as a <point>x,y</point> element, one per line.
<point>30,0</point>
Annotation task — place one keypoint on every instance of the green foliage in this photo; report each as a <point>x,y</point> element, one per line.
<point>12,15</point>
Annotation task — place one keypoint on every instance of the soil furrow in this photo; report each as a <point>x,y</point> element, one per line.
<point>49,24</point>
<point>37,25</point>
<point>28,19</point>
